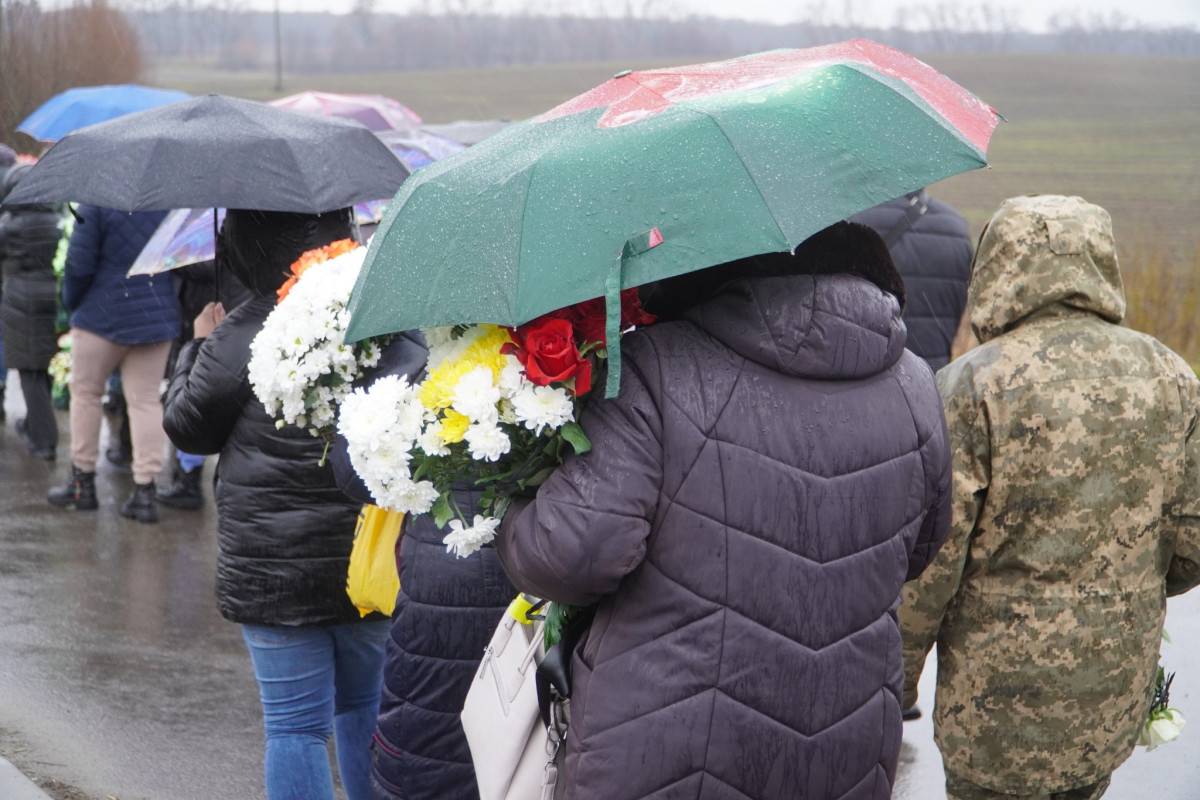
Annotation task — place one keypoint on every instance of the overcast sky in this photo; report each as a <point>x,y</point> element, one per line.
<point>1029,14</point>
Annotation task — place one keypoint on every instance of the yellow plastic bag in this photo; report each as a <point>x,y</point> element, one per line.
<point>372,581</point>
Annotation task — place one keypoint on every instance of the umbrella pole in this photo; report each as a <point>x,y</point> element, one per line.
<point>216,261</point>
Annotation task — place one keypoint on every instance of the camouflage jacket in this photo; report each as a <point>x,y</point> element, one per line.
<point>1076,511</point>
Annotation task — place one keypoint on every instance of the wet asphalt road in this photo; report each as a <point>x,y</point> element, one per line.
<point>119,677</point>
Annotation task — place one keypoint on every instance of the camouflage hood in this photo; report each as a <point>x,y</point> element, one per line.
<point>1042,254</point>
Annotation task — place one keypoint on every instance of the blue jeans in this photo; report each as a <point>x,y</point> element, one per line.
<point>188,462</point>
<point>314,680</point>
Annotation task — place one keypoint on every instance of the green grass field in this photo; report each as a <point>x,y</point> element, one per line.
<point>1122,132</point>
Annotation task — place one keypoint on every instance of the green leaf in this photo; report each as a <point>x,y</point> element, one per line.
<point>576,437</point>
<point>557,616</point>
<point>538,478</point>
<point>441,510</point>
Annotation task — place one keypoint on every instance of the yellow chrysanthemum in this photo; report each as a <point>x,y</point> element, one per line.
<point>485,351</point>
<point>454,427</point>
<point>437,390</point>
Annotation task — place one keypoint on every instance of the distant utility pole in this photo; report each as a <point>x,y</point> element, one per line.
<point>278,52</point>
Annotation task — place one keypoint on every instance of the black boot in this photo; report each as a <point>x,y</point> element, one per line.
<point>184,491</point>
<point>3,415</point>
<point>141,505</point>
<point>35,450</point>
<point>80,491</point>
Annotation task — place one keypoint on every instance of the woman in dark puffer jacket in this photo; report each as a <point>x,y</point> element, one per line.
<point>28,241</point>
<point>284,529</point>
<point>446,612</point>
<point>773,470</point>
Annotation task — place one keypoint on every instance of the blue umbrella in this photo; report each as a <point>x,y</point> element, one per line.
<point>87,105</point>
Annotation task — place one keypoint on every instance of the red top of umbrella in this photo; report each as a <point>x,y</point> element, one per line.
<point>631,96</point>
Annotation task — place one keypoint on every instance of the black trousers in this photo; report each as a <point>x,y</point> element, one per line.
<point>41,426</point>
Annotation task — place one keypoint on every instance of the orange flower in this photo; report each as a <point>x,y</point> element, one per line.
<point>317,256</point>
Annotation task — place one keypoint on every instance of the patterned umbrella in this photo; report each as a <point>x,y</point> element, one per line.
<point>377,112</point>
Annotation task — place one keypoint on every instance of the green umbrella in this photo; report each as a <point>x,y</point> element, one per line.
<point>657,173</point>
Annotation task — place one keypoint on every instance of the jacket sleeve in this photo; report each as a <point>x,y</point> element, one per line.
<point>926,599</point>
<point>208,391</point>
<point>83,257</point>
<point>588,527</point>
<point>1183,571</point>
<point>937,516</point>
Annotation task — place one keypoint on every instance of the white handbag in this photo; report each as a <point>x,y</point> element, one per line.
<point>516,757</point>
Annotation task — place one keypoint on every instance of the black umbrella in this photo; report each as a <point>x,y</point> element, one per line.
<point>216,151</point>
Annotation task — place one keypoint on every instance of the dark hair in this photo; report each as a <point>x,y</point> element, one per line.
<point>259,247</point>
<point>847,248</point>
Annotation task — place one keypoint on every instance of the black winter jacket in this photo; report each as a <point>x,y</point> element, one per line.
<point>28,241</point>
<point>284,529</point>
<point>930,244</point>
<point>445,614</point>
<point>773,470</point>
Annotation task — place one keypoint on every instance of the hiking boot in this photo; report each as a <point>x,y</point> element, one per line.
<point>141,505</point>
<point>80,491</point>
<point>184,492</point>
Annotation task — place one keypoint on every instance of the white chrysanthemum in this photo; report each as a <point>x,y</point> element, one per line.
<point>445,345</point>
<point>512,376</point>
<point>462,541</point>
<point>541,407</point>
<point>430,440</point>
<point>381,424</point>
<point>486,442</point>
<point>300,367</point>
<point>476,396</point>
<point>412,497</point>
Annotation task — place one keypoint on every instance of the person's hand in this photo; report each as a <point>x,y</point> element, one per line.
<point>208,318</point>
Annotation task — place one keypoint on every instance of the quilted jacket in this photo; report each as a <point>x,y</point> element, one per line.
<point>284,528</point>
<point>773,470</point>
<point>28,241</point>
<point>931,246</point>
<point>446,612</point>
<point>129,311</point>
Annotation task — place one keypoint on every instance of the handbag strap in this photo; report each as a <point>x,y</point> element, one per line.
<point>553,677</point>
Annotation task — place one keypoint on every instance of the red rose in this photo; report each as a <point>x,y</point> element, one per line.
<point>546,348</point>
<point>590,319</point>
<point>632,313</point>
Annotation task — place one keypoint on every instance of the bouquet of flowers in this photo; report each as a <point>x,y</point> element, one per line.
<point>1163,724</point>
<point>497,409</point>
<point>300,366</point>
<point>60,371</point>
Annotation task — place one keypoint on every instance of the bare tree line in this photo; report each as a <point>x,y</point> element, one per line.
<point>467,33</point>
<point>43,53</point>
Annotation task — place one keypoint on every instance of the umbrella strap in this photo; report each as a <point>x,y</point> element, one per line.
<point>613,284</point>
<point>612,325</point>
